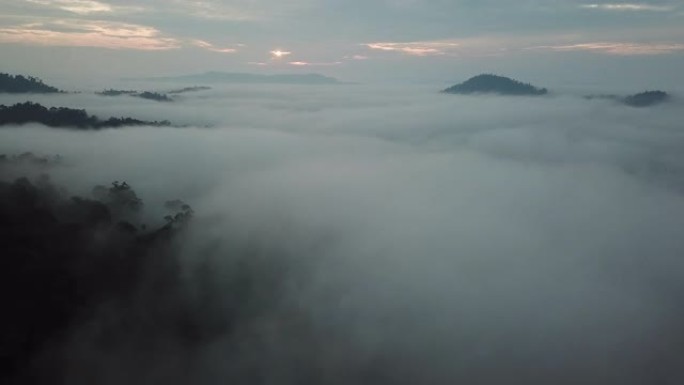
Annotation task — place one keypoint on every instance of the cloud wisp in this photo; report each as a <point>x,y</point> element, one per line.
<point>87,33</point>
<point>500,45</point>
<point>80,7</point>
<point>427,48</point>
<point>629,7</point>
<point>617,48</point>
<point>211,47</point>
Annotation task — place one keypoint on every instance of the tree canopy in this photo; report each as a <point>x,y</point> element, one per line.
<point>156,96</point>
<point>488,83</point>
<point>65,256</point>
<point>29,112</point>
<point>645,99</point>
<point>24,84</point>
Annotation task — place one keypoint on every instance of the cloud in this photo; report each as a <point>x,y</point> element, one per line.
<point>393,233</point>
<point>498,45</point>
<point>81,7</point>
<point>210,47</point>
<point>279,54</point>
<point>87,33</point>
<point>628,7</point>
<point>228,11</point>
<point>618,48</point>
<point>427,48</point>
<point>313,64</point>
<point>213,10</point>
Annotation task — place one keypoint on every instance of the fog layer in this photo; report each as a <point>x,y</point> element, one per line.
<point>417,237</point>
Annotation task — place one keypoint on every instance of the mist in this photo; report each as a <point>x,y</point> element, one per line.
<point>397,235</point>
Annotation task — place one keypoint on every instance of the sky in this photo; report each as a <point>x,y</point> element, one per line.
<point>557,41</point>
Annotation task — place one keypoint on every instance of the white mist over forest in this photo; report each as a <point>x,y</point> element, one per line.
<point>418,237</point>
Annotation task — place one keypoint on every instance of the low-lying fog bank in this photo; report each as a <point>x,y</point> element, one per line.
<point>396,235</point>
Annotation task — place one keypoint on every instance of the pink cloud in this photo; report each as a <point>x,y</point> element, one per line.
<point>426,48</point>
<point>618,48</point>
<point>81,33</point>
<point>210,47</point>
<point>499,45</point>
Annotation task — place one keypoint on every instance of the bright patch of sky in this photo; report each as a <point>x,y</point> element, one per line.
<point>340,35</point>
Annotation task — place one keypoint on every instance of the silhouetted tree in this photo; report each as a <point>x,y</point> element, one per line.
<point>154,96</point>
<point>144,94</point>
<point>647,98</point>
<point>642,99</point>
<point>21,84</point>
<point>29,112</point>
<point>189,89</point>
<point>62,257</point>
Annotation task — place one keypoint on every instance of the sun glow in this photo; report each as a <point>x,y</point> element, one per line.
<point>277,54</point>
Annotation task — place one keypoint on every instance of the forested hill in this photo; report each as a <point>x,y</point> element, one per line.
<point>641,99</point>
<point>29,112</point>
<point>64,257</point>
<point>17,84</point>
<point>495,84</point>
<point>646,98</point>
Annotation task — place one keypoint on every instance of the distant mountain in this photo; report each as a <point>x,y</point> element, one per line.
<point>493,84</point>
<point>16,84</point>
<point>641,99</point>
<point>28,112</point>
<point>156,96</point>
<point>233,77</point>
<point>112,92</point>
<point>647,98</point>
<point>139,94</point>
<point>189,89</point>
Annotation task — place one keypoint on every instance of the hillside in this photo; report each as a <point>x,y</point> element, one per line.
<point>156,96</point>
<point>641,99</point>
<point>645,99</point>
<point>494,84</point>
<point>16,84</point>
<point>28,112</point>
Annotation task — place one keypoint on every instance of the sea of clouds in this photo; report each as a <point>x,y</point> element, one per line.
<point>425,238</point>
